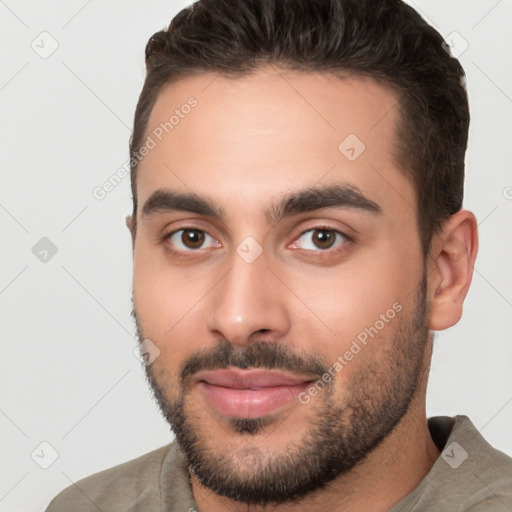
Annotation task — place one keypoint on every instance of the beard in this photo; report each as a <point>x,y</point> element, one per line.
<point>340,434</point>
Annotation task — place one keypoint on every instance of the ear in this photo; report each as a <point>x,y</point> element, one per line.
<point>451,262</point>
<point>130,224</point>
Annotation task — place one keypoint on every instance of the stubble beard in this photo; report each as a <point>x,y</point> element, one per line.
<point>340,435</point>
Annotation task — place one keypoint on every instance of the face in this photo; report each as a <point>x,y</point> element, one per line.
<point>278,276</point>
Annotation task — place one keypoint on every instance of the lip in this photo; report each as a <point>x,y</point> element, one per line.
<point>253,393</point>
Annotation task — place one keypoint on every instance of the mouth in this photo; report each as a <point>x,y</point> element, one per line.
<point>252,393</point>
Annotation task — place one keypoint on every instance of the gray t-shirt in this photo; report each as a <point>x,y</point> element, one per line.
<point>470,475</point>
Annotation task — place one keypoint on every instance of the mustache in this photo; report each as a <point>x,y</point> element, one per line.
<point>271,356</point>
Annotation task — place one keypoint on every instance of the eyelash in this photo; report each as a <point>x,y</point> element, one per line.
<point>330,229</point>
<point>178,252</point>
<point>346,237</point>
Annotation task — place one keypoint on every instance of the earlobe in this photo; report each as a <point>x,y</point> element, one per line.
<point>451,266</point>
<point>130,226</point>
<point>129,223</point>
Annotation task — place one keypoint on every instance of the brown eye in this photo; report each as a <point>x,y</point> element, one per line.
<point>324,238</point>
<point>321,239</point>
<point>192,238</point>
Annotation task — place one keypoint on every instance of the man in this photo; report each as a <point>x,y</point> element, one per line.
<point>298,236</point>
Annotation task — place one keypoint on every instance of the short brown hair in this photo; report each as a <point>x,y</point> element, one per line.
<point>383,39</point>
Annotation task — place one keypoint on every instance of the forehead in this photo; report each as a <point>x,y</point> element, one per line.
<point>271,132</point>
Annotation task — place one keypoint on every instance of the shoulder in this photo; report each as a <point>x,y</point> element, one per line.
<point>476,474</point>
<point>469,476</point>
<point>121,487</point>
<point>488,470</point>
<point>482,458</point>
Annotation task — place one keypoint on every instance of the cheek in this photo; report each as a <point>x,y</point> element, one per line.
<point>162,293</point>
<point>351,299</point>
<point>166,302</point>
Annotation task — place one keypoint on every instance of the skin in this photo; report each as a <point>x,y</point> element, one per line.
<point>250,142</point>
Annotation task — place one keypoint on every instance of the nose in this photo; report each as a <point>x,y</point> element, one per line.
<point>249,305</point>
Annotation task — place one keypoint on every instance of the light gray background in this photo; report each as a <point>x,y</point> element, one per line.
<point>68,373</point>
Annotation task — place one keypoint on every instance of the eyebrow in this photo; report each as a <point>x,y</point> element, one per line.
<point>316,198</point>
<point>163,201</point>
<point>307,200</point>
